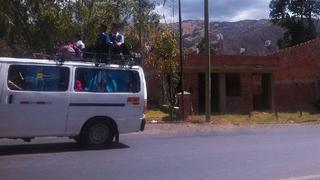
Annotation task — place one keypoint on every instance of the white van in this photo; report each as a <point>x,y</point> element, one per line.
<point>89,103</point>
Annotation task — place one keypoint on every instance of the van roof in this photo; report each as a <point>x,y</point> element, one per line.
<point>55,62</point>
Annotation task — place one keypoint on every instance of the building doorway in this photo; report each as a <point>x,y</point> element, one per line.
<point>261,91</point>
<point>214,93</point>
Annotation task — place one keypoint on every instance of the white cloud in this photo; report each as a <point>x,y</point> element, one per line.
<point>249,14</point>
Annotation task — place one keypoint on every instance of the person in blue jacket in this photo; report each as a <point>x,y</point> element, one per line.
<point>117,41</point>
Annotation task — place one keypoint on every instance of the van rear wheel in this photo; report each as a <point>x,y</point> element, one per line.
<point>97,134</point>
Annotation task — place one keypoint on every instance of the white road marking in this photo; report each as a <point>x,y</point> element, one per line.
<point>309,177</point>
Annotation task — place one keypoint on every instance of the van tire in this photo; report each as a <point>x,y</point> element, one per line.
<point>97,133</point>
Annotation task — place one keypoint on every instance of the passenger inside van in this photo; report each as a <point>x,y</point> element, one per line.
<point>78,86</point>
<point>15,81</point>
<point>94,80</point>
<point>38,78</point>
<point>111,85</point>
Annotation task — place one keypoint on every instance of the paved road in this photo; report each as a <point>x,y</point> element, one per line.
<point>291,152</point>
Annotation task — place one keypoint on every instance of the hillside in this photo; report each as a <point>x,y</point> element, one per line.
<point>248,34</point>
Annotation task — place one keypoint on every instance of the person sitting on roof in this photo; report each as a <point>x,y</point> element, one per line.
<point>103,40</point>
<point>79,43</point>
<point>70,52</point>
<point>117,41</point>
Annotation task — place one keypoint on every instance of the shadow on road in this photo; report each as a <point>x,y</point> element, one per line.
<point>6,150</point>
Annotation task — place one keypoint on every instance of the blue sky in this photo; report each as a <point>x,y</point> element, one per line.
<point>220,10</point>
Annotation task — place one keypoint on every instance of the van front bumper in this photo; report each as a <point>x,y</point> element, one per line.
<point>143,124</point>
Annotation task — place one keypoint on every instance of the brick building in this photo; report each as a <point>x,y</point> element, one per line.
<point>233,87</point>
<point>288,80</point>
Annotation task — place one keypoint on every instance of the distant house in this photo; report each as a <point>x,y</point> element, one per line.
<point>288,80</point>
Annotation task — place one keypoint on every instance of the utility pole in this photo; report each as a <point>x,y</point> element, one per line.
<point>140,27</point>
<point>181,61</point>
<point>208,70</point>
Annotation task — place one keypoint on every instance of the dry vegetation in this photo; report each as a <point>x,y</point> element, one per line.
<point>236,119</point>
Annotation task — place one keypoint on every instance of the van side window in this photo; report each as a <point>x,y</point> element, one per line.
<point>107,81</point>
<point>38,78</point>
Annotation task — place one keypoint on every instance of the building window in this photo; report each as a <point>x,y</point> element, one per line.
<point>233,85</point>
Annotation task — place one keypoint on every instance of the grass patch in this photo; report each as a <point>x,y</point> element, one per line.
<point>161,115</point>
<point>259,118</point>
<point>222,119</point>
<point>239,119</point>
<point>155,114</point>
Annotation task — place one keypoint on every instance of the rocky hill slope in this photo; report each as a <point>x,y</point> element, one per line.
<point>250,35</point>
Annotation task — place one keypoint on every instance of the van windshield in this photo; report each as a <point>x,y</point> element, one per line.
<point>106,81</point>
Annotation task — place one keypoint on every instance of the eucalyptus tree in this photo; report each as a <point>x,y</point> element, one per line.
<point>297,17</point>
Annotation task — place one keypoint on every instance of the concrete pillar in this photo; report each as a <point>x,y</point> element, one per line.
<point>222,93</point>
<point>317,88</point>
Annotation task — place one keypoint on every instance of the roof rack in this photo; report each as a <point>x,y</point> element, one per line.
<point>99,59</point>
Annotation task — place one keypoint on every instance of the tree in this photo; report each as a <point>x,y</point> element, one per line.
<point>14,25</point>
<point>164,57</point>
<point>43,25</point>
<point>145,22</point>
<point>202,48</point>
<point>297,16</point>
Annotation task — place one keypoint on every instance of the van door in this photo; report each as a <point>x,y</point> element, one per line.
<point>34,101</point>
<point>105,92</point>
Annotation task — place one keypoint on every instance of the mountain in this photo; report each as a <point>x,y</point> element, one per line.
<point>248,34</point>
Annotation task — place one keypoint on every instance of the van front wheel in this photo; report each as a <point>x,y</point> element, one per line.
<point>97,134</point>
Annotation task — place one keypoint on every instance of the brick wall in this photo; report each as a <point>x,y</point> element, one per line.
<point>296,76</point>
<point>295,96</point>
